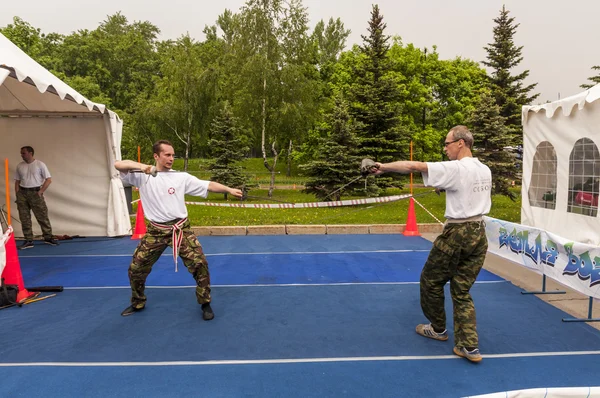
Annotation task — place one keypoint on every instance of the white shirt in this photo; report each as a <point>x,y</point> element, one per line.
<point>163,196</point>
<point>32,175</point>
<point>468,185</point>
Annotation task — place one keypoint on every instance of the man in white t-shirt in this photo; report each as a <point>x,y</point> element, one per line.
<point>31,181</point>
<point>459,252</point>
<point>163,198</point>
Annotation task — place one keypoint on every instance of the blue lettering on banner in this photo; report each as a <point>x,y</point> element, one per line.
<point>583,266</point>
<point>518,242</point>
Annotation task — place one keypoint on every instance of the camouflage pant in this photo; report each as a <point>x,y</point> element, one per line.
<point>28,201</point>
<point>149,250</point>
<point>457,256</point>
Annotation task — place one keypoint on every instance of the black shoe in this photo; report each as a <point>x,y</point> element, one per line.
<point>131,310</point>
<point>28,244</point>
<point>207,312</point>
<point>51,242</point>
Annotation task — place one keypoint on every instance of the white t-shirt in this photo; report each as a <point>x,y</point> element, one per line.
<point>163,196</point>
<point>32,175</point>
<point>468,185</point>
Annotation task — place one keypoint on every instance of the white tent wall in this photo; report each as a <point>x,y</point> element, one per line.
<point>78,140</point>
<point>75,151</point>
<point>562,124</point>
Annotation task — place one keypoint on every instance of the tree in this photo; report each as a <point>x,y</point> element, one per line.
<point>227,148</point>
<point>271,84</point>
<point>508,90</point>
<point>375,102</point>
<point>120,57</point>
<point>490,134</point>
<point>41,47</point>
<point>336,164</point>
<point>329,42</point>
<point>185,93</point>
<point>594,79</point>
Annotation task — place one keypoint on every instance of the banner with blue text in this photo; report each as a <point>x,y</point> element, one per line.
<point>573,264</point>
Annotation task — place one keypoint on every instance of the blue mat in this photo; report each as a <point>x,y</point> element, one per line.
<point>416,378</point>
<point>274,322</point>
<point>241,244</point>
<point>235,269</point>
<point>353,322</point>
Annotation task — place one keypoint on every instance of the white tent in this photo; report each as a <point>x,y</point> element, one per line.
<point>76,138</point>
<point>561,167</point>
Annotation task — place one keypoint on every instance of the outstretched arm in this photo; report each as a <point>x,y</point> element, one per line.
<point>220,188</point>
<point>128,165</point>
<point>402,167</point>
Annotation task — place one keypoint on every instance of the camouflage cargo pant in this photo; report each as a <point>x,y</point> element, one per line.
<point>457,256</point>
<point>28,201</point>
<point>149,250</point>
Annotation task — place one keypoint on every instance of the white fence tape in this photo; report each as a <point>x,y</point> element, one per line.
<point>339,203</point>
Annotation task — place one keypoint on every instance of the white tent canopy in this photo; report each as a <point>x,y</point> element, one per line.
<point>561,167</point>
<point>77,139</point>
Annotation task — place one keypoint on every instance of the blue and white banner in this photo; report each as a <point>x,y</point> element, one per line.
<point>573,264</point>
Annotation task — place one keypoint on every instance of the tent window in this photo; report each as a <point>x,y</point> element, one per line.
<point>542,189</point>
<point>584,178</point>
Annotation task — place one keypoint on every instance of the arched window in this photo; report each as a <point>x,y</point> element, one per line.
<point>584,177</point>
<point>542,189</point>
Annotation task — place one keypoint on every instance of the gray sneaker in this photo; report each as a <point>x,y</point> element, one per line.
<point>28,244</point>
<point>51,242</point>
<point>427,331</point>
<point>473,356</point>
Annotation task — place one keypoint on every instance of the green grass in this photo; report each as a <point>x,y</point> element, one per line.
<point>254,167</point>
<point>387,213</point>
<point>257,172</point>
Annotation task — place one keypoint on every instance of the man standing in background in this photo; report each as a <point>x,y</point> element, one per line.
<point>31,181</point>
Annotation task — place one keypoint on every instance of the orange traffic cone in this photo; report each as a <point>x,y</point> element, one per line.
<point>140,223</point>
<point>12,272</point>
<point>411,228</point>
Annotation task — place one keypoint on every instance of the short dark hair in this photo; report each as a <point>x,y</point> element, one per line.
<point>156,148</point>
<point>28,149</point>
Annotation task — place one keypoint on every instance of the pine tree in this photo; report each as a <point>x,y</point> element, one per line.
<point>490,135</point>
<point>336,163</point>
<point>594,79</point>
<point>509,91</point>
<point>374,100</point>
<point>227,147</point>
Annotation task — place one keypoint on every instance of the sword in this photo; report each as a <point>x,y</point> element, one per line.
<point>153,171</point>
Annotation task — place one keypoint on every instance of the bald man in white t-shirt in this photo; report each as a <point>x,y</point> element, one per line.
<point>162,192</point>
<point>458,253</point>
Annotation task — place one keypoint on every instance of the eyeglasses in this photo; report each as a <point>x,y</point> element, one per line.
<point>451,142</point>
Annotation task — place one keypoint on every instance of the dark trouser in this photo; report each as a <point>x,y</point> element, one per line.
<point>28,201</point>
<point>149,250</point>
<point>457,256</point>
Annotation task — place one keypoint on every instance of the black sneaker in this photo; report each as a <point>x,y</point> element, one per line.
<point>131,310</point>
<point>207,312</point>
<point>51,242</point>
<point>28,244</point>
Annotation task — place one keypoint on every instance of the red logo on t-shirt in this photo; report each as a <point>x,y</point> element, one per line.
<point>171,191</point>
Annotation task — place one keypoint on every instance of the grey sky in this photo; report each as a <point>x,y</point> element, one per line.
<point>559,38</point>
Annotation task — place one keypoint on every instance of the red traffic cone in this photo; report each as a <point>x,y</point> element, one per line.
<point>140,223</point>
<point>12,272</point>
<point>411,228</point>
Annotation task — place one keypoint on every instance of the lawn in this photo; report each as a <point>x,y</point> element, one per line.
<point>386,213</point>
